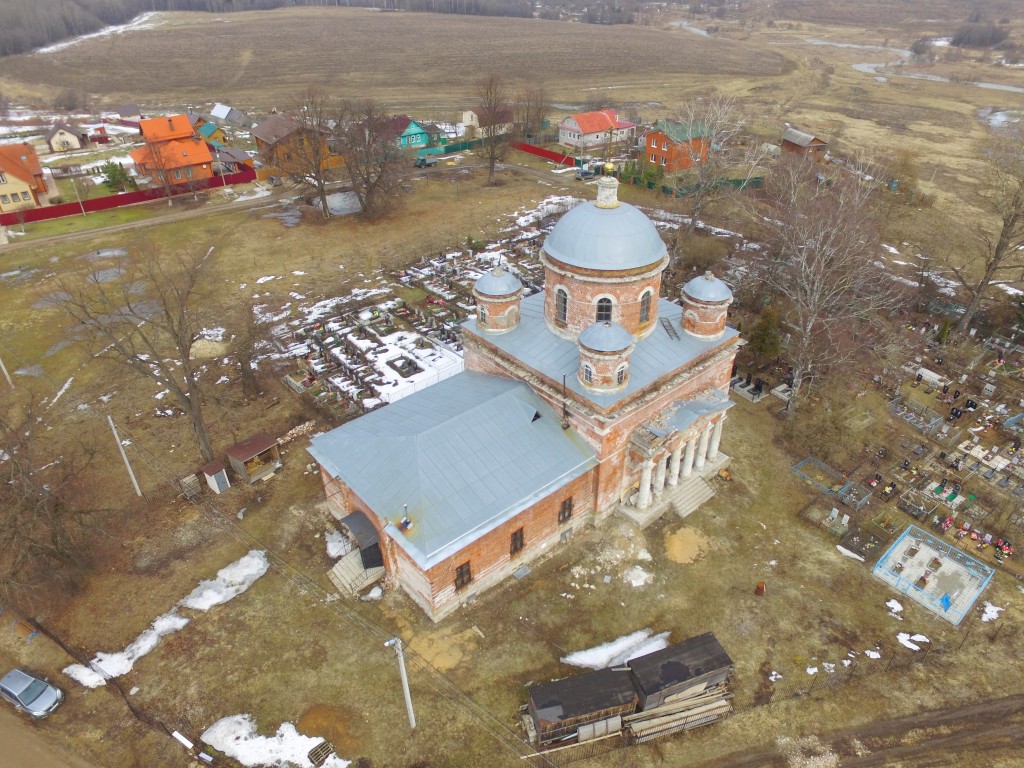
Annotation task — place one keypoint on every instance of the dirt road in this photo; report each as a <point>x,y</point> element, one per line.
<point>27,744</point>
<point>985,729</point>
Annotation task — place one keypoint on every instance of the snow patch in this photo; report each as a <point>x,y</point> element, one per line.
<point>637,576</point>
<point>236,737</point>
<point>619,651</point>
<point>144,21</point>
<point>230,582</point>
<point>992,611</point>
<point>337,544</point>
<point>911,641</point>
<point>847,553</point>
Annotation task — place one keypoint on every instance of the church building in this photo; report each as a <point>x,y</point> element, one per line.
<point>592,397</point>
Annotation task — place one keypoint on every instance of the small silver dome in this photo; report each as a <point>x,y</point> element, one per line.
<point>605,235</point>
<point>606,337</point>
<point>707,288</point>
<point>498,282</point>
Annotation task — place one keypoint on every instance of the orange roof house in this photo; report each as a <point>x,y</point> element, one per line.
<point>173,153</point>
<point>595,129</point>
<point>22,184</point>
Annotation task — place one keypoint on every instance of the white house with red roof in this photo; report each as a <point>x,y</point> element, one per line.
<point>588,130</point>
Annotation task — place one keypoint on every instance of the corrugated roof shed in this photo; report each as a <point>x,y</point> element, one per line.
<point>679,663</point>
<point>801,139</point>
<point>254,446</point>
<point>459,458</point>
<point>655,356</point>
<point>582,695</point>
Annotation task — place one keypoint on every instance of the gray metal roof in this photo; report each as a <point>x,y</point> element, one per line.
<point>655,356</point>
<point>605,238</point>
<point>708,288</point>
<point>801,139</point>
<point>686,412</point>
<point>459,457</point>
<point>498,282</point>
<point>606,337</point>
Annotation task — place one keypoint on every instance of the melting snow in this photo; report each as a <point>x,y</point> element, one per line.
<point>637,576</point>
<point>618,651</point>
<point>848,553</point>
<point>872,654</point>
<point>895,608</point>
<point>911,641</point>
<point>230,582</point>
<point>267,279</point>
<point>992,611</point>
<point>337,544</point>
<point>144,21</point>
<point>236,737</point>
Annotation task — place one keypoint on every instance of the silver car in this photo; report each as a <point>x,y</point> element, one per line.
<point>27,692</point>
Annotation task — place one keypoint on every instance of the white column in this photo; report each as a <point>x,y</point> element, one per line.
<point>702,448</point>
<point>659,475</point>
<point>691,447</point>
<point>644,500</point>
<point>716,438</point>
<point>673,466</point>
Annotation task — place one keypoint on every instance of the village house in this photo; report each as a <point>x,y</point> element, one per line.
<point>172,153</point>
<point>205,128</point>
<point>591,397</point>
<point>595,130</point>
<point>407,132</point>
<point>674,146</point>
<point>222,113</point>
<point>482,126</point>
<point>285,146</point>
<point>22,184</point>
<point>63,137</point>
<point>804,144</point>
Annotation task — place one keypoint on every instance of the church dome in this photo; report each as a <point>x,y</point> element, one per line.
<point>605,234</point>
<point>498,282</point>
<point>606,337</point>
<point>707,288</point>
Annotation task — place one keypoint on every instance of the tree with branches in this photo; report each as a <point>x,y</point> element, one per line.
<point>996,261</point>
<point>149,320</point>
<point>47,512</point>
<point>821,266</point>
<point>530,108</point>
<point>307,156</point>
<point>370,155</point>
<point>494,113</point>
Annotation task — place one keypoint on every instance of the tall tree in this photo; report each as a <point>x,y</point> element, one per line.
<point>308,157</point>
<point>494,112</point>
<point>149,320</point>
<point>821,266</point>
<point>370,155</point>
<point>997,259</point>
<point>530,108</point>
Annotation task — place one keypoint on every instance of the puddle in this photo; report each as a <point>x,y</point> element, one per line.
<point>290,217</point>
<point>31,370</point>
<point>104,253</point>
<point>54,299</point>
<point>107,275</point>
<point>58,347</point>
<point>685,545</point>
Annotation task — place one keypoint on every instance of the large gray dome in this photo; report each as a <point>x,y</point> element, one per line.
<point>707,288</point>
<point>606,337</point>
<point>605,235</point>
<point>498,282</point>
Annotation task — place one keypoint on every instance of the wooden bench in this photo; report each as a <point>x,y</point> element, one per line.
<point>25,629</point>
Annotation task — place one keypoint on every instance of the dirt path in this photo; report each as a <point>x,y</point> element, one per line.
<point>986,726</point>
<point>27,744</point>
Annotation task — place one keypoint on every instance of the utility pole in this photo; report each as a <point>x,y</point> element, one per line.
<point>396,643</point>
<point>124,457</point>
<point>6,374</point>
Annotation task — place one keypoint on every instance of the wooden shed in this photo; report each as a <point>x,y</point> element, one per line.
<point>582,707</point>
<point>255,459</point>
<point>804,144</point>
<point>216,474</point>
<point>680,671</point>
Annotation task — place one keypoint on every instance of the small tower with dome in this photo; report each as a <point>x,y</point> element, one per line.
<point>604,357</point>
<point>706,301</point>
<point>498,294</point>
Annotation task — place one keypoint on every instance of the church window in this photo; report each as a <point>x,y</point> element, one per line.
<point>604,310</point>
<point>463,575</point>
<point>588,374</point>
<point>483,315</point>
<point>561,306</point>
<point>518,541</point>
<point>565,511</point>
<point>620,375</point>
<point>645,308</point>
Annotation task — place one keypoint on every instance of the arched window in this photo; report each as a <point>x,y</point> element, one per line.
<point>588,374</point>
<point>645,308</point>
<point>620,375</point>
<point>561,306</point>
<point>604,310</point>
<point>483,315</point>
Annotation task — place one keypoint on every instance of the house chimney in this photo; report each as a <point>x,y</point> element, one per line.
<point>170,123</point>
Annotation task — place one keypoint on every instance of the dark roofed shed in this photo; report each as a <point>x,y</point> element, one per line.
<point>256,458</point>
<point>560,708</point>
<point>687,667</point>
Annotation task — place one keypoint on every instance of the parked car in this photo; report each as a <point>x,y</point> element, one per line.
<point>584,175</point>
<point>425,162</point>
<point>34,695</point>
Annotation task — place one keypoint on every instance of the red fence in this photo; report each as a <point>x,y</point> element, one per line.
<point>30,215</point>
<point>547,154</point>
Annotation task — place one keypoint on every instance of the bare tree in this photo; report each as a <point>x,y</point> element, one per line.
<point>149,321</point>
<point>531,108</point>
<point>494,113</point>
<point>821,267</point>
<point>709,130</point>
<point>307,158</point>
<point>370,154</point>
<point>245,345</point>
<point>997,260</point>
<point>45,525</point>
